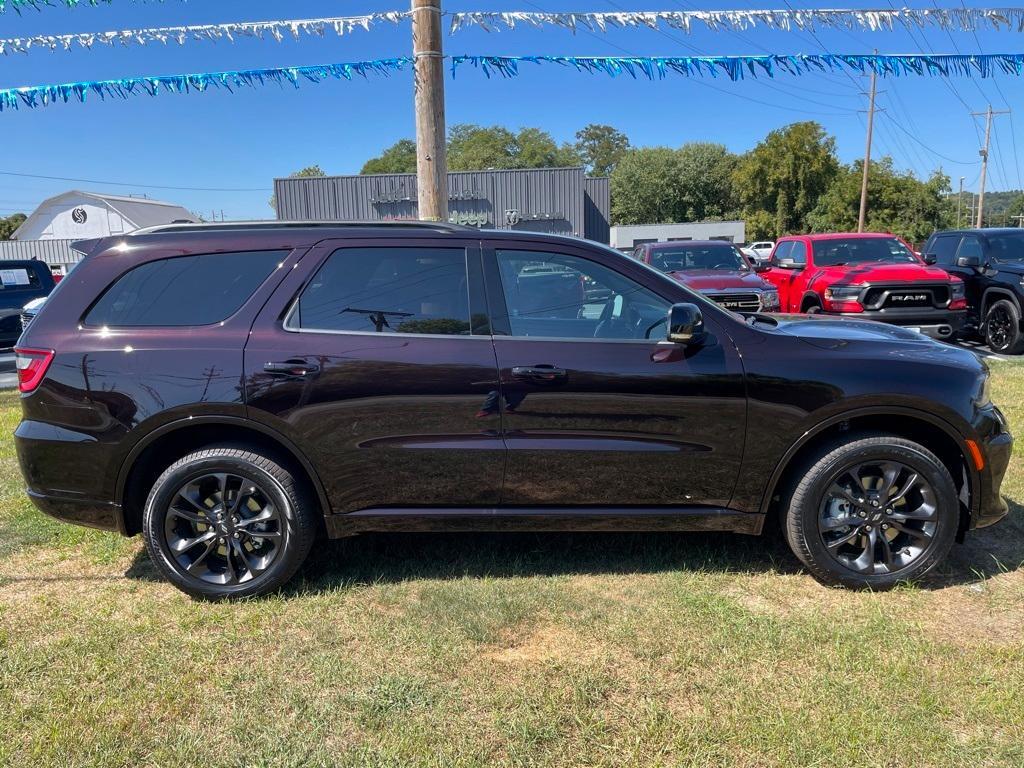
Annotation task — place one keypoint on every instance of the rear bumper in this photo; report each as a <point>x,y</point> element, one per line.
<point>939,324</point>
<point>104,515</point>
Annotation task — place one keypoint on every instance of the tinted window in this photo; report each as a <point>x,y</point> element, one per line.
<point>969,246</point>
<point>388,290</point>
<point>782,251</point>
<point>860,250</point>
<point>18,278</point>
<point>799,252</point>
<point>1007,247</point>
<point>185,290</point>
<point>944,249</point>
<point>698,257</point>
<point>555,295</point>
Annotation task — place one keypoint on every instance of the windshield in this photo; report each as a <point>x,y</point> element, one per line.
<point>860,250</point>
<point>684,258</point>
<point>1007,247</point>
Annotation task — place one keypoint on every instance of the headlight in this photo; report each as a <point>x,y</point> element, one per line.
<point>958,291</point>
<point>846,293</point>
<point>769,300</point>
<point>984,396</point>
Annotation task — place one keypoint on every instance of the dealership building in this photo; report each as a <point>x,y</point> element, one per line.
<point>557,200</point>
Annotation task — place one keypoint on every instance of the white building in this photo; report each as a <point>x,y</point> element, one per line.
<point>77,215</point>
<point>626,237</point>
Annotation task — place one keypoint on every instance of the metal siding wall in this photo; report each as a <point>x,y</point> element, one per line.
<point>475,196</point>
<point>48,251</point>
<point>597,209</point>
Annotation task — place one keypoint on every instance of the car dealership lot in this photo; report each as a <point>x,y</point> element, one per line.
<point>605,649</point>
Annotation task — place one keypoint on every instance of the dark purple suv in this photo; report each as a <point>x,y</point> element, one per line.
<point>233,391</point>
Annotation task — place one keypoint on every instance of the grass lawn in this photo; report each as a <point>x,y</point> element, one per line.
<point>591,649</point>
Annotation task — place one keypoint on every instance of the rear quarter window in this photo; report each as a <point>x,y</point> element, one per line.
<point>184,290</point>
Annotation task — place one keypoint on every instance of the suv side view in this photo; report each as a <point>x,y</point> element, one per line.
<point>234,391</point>
<point>867,276</point>
<point>991,264</point>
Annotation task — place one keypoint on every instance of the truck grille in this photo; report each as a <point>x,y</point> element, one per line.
<point>26,318</point>
<point>880,297</point>
<point>737,302</point>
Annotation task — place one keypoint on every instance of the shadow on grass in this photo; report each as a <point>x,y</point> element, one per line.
<point>396,557</point>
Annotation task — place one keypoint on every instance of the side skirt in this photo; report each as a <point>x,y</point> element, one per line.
<point>512,519</point>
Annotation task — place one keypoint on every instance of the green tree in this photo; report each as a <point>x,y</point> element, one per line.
<point>10,223</point>
<point>475,148</point>
<point>307,172</point>
<point>705,181</point>
<point>1015,211</point>
<point>400,157</point>
<point>601,147</point>
<point>645,187</point>
<point>897,202</point>
<point>786,174</point>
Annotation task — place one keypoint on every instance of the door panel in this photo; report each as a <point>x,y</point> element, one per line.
<point>619,421</point>
<point>389,415</point>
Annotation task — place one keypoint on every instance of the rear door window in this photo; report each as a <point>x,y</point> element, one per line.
<point>388,290</point>
<point>184,290</point>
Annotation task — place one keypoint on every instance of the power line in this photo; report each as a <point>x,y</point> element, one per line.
<point>130,184</point>
<point>930,149</point>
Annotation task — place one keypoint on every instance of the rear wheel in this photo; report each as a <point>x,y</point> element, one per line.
<point>872,513</point>
<point>227,522</point>
<point>1002,328</point>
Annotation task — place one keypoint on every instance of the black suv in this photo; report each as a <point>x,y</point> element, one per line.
<point>232,391</point>
<point>991,264</point>
<point>20,283</point>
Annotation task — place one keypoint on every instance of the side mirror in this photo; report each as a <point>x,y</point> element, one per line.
<point>930,258</point>
<point>761,266</point>
<point>788,264</point>
<point>973,262</point>
<point>685,324</point>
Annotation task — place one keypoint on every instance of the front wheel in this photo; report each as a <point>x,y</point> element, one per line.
<point>1002,328</point>
<point>226,522</point>
<point>872,513</point>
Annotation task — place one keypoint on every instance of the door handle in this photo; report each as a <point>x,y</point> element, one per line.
<point>292,368</point>
<point>539,373</point>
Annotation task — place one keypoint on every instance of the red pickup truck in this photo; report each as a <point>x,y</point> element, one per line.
<point>868,276</point>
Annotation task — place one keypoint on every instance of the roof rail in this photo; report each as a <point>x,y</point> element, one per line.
<point>441,226</point>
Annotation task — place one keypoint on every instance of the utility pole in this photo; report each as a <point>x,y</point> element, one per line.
<point>431,160</point>
<point>867,156</point>
<point>988,113</point>
<point>959,201</point>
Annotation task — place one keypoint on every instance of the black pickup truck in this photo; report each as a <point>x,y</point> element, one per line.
<point>20,283</point>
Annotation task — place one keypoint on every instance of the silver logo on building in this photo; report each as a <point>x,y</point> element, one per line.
<point>79,216</point>
<point>512,216</point>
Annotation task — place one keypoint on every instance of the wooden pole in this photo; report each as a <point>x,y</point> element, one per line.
<point>867,157</point>
<point>431,161</point>
<point>984,166</point>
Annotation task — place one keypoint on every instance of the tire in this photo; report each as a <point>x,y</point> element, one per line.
<point>831,536</point>
<point>251,546</point>
<point>812,309</point>
<point>1002,328</point>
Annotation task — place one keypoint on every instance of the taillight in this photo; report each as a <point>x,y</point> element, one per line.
<point>32,365</point>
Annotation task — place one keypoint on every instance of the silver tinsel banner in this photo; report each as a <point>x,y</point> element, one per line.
<point>958,19</point>
<point>739,67</point>
<point>43,95</point>
<point>276,30</point>
<point>38,5</point>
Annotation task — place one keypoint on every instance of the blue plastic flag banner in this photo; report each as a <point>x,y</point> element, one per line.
<point>958,18</point>
<point>44,95</point>
<point>739,67</point>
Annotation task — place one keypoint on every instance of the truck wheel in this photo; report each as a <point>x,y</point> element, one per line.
<point>872,513</point>
<point>226,522</point>
<point>1002,328</point>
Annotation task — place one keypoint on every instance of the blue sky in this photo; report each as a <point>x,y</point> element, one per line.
<point>220,140</point>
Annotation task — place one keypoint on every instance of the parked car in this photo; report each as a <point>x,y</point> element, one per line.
<point>21,281</point>
<point>761,250</point>
<point>715,268</point>
<point>30,310</point>
<point>867,276</point>
<point>991,264</point>
<point>230,391</point>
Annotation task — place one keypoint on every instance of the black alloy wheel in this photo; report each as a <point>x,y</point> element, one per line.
<point>1002,328</point>
<point>872,512</point>
<point>228,522</point>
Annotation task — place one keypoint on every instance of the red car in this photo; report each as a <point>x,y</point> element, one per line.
<point>868,276</point>
<point>715,268</point>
